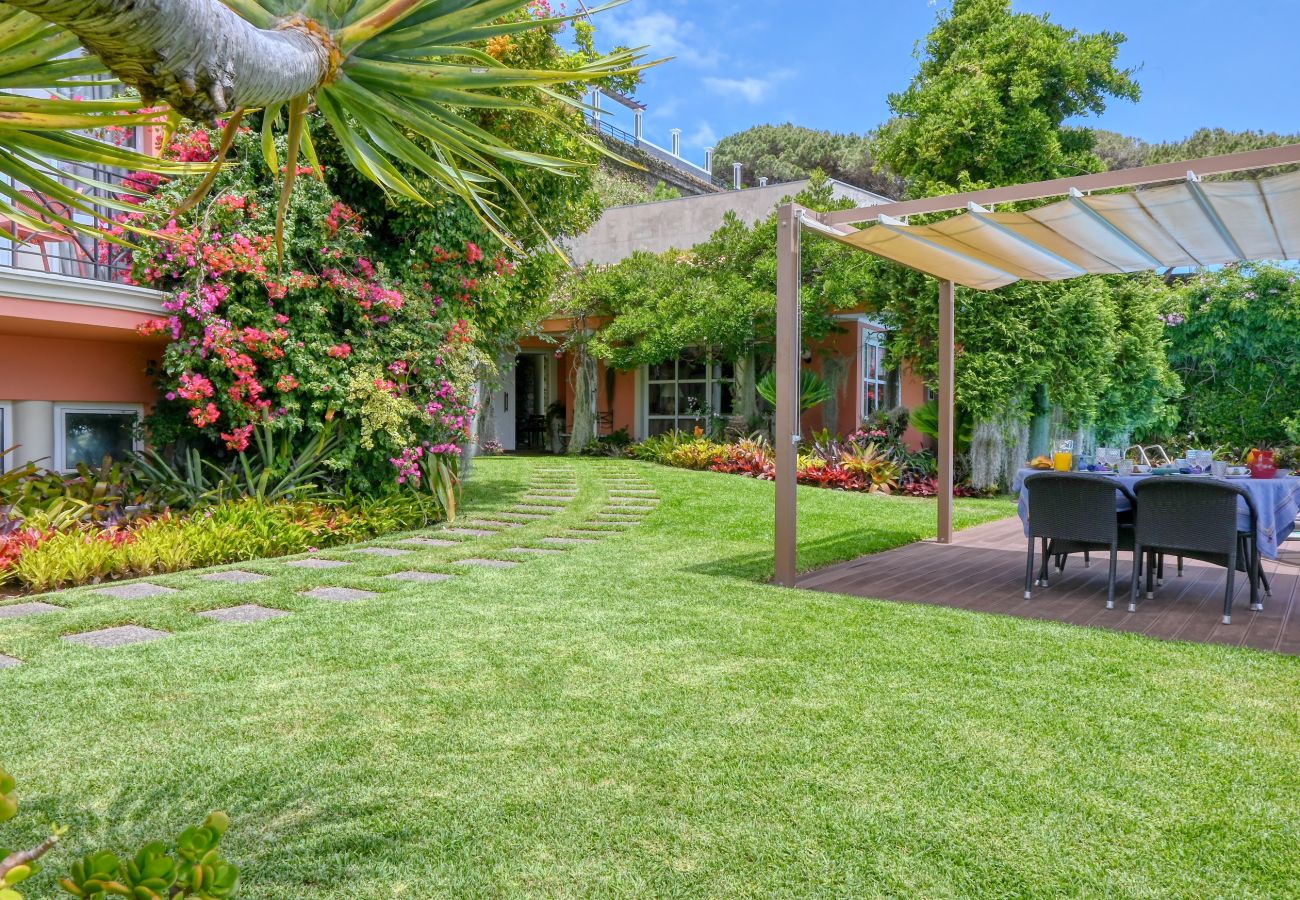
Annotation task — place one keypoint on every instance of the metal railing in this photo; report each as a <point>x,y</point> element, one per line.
<point>659,153</point>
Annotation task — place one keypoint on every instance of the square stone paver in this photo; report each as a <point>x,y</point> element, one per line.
<point>27,609</point>
<point>487,563</point>
<point>239,615</point>
<point>543,550</point>
<point>568,540</point>
<point>412,575</point>
<point>235,576</point>
<point>338,593</point>
<point>7,661</point>
<point>470,532</point>
<point>118,636</point>
<point>315,562</point>
<point>427,542</point>
<point>137,591</point>
<point>381,551</point>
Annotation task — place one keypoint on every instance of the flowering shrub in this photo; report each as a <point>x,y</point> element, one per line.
<point>324,334</point>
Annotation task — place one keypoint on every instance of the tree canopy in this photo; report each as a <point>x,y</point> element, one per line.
<point>790,152</point>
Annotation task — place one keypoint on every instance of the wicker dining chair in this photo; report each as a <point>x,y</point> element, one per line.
<point>1074,512</point>
<point>1197,518</point>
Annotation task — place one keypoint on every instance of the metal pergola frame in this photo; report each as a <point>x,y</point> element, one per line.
<point>793,219</point>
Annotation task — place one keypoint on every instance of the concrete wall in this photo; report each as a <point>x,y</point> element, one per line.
<point>686,221</point>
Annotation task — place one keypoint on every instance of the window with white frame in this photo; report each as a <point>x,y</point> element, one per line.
<point>86,433</point>
<point>880,386</point>
<point>683,393</point>
<point>6,433</point>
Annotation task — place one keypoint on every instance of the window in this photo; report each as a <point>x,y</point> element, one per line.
<point>86,433</point>
<point>880,387</point>
<point>684,393</point>
<point>6,434</point>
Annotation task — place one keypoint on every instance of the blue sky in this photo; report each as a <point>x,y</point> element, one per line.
<point>831,63</point>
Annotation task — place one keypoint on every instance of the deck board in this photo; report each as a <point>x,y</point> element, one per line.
<point>984,570</point>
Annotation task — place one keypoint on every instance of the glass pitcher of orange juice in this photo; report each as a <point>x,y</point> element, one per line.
<point>1063,456</point>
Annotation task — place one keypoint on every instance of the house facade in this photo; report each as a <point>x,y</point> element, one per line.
<point>673,395</point>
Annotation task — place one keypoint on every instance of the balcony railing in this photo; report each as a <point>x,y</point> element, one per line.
<point>659,153</point>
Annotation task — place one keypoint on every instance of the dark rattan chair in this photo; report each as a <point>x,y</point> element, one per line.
<point>1197,518</point>
<point>1074,512</point>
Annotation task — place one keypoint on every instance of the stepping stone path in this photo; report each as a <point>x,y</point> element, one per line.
<point>118,636</point>
<point>315,562</point>
<point>137,591</point>
<point>240,615</point>
<point>493,523</point>
<point>382,551</point>
<point>235,576</point>
<point>470,532</point>
<point>27,609</point>
<point>412,575</point>
<point>533,498</point>
<point>522,515</point>
<point>427,542</point>
<point>538,550</point>
<point>538,506</point>
<point>487,563</point>
<point>7,661</point>
<point>568,540</point>
<point>338,593</point>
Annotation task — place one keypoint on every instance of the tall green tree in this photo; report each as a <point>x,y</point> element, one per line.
<point>790,152</point>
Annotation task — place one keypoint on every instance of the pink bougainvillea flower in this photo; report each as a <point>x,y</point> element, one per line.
<point>340,351</point>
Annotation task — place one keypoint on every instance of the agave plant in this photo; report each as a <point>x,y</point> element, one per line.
<point>391,78</point>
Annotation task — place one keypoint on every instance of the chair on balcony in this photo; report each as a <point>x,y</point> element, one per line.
<point>1071,512</point>
<point>36,206</point>
<point>1197,518</point>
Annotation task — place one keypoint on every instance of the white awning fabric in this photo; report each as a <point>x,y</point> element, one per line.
<point>1189,223</point>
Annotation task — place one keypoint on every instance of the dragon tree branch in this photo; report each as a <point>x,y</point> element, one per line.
<point>198,56</point>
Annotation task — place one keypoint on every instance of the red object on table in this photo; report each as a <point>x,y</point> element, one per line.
<point>1263,465</point>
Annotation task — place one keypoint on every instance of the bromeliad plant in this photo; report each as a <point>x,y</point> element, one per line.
<point>189,866</point>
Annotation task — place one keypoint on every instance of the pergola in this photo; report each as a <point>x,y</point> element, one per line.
<point>1176,220</point>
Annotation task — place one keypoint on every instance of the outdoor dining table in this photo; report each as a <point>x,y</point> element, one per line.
<point>1277,502</point>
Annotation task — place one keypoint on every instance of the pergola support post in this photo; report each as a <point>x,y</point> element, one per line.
<point>947,406</point>
<point>785,431</point>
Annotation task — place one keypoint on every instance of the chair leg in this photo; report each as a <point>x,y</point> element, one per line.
<point>1137,576</point>
<point>1087,561</point>
<point>1180,567</point>
<point>1151,574</point>
<point>1110,583</point>
<point>1227,592</point>
<point>1160,570</point>
<point>1029,569</point>
<point>1042,573</point>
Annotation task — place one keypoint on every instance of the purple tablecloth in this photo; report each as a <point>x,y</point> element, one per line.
<point>1277,500</point>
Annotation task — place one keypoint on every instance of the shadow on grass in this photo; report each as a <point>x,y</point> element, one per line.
<point>758,566</point>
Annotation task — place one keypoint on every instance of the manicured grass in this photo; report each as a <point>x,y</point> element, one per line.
<point>643,717</point>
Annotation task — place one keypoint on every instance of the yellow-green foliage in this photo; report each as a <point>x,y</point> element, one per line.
<point>699,453</point>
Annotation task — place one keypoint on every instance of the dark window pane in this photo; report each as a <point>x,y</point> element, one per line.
<point>661,426</point>
<point>693,398</point>
<point>661,400</point>
<point>726,404</point>
<point>662,371</point>
<point>692,367</point>
<point>89,437</point>
<point>726,371</point>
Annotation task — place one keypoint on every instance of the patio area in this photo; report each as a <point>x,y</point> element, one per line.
<point>983,569</point>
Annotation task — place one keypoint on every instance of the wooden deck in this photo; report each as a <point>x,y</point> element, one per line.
<point>984,570</point>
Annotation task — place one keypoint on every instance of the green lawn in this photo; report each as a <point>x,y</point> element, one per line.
<point>643,716</point>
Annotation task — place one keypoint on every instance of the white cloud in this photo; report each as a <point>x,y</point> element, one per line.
<point>703,136</point>
<point>663,33</point>
<point>750,89</point>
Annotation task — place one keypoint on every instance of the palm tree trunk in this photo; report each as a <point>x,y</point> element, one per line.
<point>198,56</point>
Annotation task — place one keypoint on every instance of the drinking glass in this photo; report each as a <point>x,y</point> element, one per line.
<point>1219,468</point>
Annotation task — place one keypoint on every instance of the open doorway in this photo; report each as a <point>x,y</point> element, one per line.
<point>520,403</point>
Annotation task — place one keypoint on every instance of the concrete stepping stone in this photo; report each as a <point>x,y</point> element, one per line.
<point>118,636</point>
<point>493,523</point>
<point>522,515</point>
<point>413,575</point>
<point>235,576</point>
<point>27,609</point>
<point>338,593</point>
<point>487,563</point>
<point>469,532</point>
<point>243,614</point>
<point>568,540</point>
<point>563,498</point>
<point>427,542</point>
<point>629,492</point>
<point>540,550</point>
<point>538,506</point>
<point>382,551</point>
<point>7,661</point>
<point>315,562</point>
<point>135,591</point>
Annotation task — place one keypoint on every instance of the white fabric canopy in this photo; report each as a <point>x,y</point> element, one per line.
<point>1189,223</point>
